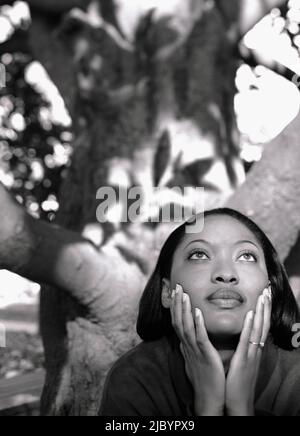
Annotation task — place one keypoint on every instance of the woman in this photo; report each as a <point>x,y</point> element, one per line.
<point>217,320</point>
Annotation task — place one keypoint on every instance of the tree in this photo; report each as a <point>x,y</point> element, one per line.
<point>132,88</point>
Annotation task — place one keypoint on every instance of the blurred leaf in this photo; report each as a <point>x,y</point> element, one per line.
<point>34,151</point>
<point>162,157</point>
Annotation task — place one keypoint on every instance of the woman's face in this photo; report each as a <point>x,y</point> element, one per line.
<point>223,270</point>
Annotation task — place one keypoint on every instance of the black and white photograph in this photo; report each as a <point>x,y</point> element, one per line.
<point>149,210</point>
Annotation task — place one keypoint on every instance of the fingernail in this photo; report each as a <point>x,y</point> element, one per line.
<point>178,288</point>
<point>251,315</point>
<point>267,294</point>
<point>262,300</point>
<point>184,298</point>
<point>197,312</point>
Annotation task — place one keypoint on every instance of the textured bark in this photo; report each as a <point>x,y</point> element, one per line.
<point>292,266</point>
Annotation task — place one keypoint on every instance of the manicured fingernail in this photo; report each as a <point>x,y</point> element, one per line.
<point>197,313</point>
<point>251,315</point>
<point>184,298</point>
<point>268,294</point>
<point>262,300</point>
<point>178,288</point>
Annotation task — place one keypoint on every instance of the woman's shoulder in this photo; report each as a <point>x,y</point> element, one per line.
<point>139,382</point>
<point>145,356</point>
<point>290,360</point>
<point>286,381</point>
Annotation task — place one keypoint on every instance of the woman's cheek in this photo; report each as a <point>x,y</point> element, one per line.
<point>252,300</point>
<point>196,285</point>
<point>181,277</point>
<point>196,293</point>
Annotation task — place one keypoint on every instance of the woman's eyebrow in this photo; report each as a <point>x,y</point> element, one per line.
<point>197,240</point>
<point>244,241</point>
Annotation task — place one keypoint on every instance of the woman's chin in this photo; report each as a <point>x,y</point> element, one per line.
<point>224,326</point>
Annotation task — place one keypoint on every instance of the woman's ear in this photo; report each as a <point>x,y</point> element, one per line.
<point>166,295</point>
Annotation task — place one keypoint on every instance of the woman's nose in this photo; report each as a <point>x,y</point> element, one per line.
<point>225,275</point>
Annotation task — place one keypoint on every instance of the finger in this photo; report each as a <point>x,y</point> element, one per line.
<point>202,338</point>
<point>243,346</point>
<point>188,321</point>
<point>172,306</point>
<point>177,312</point>
<point>267,297</point>
<point>204,345</point>
<point>182,349</point>
<point>257,328</point>
<point>267,315</point>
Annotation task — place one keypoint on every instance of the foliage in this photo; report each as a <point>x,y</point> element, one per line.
<point>34,150</point>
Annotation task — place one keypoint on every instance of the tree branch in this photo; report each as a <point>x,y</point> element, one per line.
<point>49,254</point>
<point>271,194</point>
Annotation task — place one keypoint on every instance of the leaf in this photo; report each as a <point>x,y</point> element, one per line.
<point>162,157</point>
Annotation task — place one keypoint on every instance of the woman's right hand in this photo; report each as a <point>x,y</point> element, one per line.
<point>203,363</point>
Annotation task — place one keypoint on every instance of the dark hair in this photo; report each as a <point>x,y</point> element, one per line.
<point>154,321</point>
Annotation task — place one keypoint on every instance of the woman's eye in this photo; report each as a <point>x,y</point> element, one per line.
<point>198,255</point>
<point>248,257</point>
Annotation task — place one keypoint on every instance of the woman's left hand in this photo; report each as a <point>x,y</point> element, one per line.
<point>244,368</point>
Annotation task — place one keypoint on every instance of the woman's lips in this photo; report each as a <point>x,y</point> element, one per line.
<point>226,299</point>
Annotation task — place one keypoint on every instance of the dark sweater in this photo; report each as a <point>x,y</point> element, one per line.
<point>150,380</point>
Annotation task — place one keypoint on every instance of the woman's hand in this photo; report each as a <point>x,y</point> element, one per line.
<point>243,372</point>
<point>203,363</point>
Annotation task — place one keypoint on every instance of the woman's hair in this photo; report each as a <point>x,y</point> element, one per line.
<point>154,321</point>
